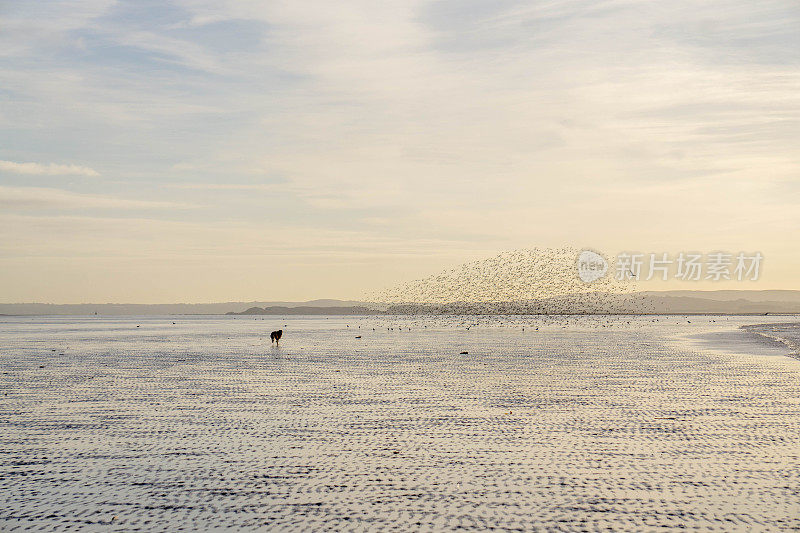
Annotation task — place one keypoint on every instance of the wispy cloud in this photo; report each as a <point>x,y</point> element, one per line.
<point>225,186</point>
<point>49,169</point>
<point>25,198</point>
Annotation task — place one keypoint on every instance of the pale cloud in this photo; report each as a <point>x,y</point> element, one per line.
<point>106,258</point>
<point>225,186</point>
<point>28,198</point>
<point>140,236</point>
<point>49,169</point>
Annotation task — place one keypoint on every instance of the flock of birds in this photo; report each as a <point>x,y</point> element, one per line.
<point>527,281</point>
<point>520,323</point>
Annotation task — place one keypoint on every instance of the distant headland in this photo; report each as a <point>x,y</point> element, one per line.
<point>309,310</point>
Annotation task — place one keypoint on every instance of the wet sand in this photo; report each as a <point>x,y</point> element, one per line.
<point>584,424</point>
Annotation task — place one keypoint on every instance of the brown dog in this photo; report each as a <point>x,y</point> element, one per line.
<point>276,337</point>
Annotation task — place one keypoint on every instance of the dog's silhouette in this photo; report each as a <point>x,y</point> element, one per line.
<point>276,336</point>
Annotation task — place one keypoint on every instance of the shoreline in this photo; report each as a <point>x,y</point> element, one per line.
<point>741,340</point>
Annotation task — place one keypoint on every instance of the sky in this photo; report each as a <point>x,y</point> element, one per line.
<point>196,151</point>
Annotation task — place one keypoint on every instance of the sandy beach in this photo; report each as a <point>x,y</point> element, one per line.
<point>593,423</point>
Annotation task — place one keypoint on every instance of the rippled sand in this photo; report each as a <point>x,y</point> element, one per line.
<point>583,424</point>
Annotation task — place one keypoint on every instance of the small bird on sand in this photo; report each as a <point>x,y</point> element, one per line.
<point>275,337</point>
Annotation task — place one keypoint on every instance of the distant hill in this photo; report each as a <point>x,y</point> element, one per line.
<point>159,309</point>
<point>679,302</point>
<point>308,310</point>
<point>724,302</point>
<point>785,296</point>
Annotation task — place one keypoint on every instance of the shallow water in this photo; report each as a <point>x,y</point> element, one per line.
<point>785,333</point>
<point>582,424</point>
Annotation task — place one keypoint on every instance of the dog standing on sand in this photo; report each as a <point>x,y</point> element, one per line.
<point>275,337</point>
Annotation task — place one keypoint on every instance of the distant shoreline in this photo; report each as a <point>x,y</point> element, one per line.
<point>681,302</point>
<point>388,314</point>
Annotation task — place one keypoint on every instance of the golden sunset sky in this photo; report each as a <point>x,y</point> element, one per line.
<point>166,151</point>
